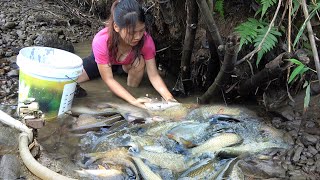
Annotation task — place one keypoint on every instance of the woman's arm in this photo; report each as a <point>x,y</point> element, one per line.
<point>107,76</point>
<point>157,81</point>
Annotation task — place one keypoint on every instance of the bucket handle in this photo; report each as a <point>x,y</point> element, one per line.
<point>72,79</point>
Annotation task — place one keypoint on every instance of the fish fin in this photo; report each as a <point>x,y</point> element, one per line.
<point>222,117</point>
<point>81,172</point>
<point>101,167</point>
<point>228,118</point>
<point>139,121</point>
<point>157,118</point>
<point>186,143</point>
<point>135,149</point>
<point>129,117</point>
<point>170,136</point>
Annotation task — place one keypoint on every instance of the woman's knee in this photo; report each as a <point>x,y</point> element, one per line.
<point>83,77</point>
<point>135,73</point>
<point>138,65</point>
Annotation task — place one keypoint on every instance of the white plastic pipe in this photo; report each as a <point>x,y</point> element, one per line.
<point>10,121</point>
<point>34,166</point>
<point>25,138</point>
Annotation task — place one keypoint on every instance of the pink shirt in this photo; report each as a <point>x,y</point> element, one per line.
<point>101,52</point>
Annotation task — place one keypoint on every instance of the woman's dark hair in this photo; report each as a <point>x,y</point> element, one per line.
<point>125,14</point>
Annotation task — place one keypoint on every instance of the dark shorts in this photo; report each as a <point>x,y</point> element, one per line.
<point>91,67</point>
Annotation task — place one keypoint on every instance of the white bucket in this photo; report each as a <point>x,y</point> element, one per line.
<point>49,75</point>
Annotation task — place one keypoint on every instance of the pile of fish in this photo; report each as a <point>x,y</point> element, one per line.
<point>176,141</point>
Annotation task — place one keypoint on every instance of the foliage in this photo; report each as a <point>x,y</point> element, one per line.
<point>295,6</point>
<point>306,97</point>
<point>219,5</point>
<point>313,12</point>
<point>253,31</point>
<point>269,43</point>
<point>248,30</point>
<point>265,6</point>
<point>299,70</point>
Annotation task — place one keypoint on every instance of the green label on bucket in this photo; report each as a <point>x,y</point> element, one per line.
<point>48,92</point>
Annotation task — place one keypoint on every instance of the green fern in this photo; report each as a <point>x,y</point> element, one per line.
<point>219,7</point>
<point>266,4</point>
<point>253,31</point>
<point>248,30</point>
<point>269,43</point>
<point>295,5</point>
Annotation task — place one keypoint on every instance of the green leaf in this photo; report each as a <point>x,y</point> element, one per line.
<point>305,84</point>
<point>248,31</point>
<point>296,5</point>
<point>259,57</point>
<point>313,12</point>
<point>269,43</point>
<point>219,7</point>
<point>306,99</point>
<point>295,61</point>
<point>294,73</point>
<point>305,69</point>
<point>265,5</point>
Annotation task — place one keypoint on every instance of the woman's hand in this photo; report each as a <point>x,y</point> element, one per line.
<point>172,100</point>
<point>157,81</point>
<point>140,102</point>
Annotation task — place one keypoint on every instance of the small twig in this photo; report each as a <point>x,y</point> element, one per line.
<point>163,49</point>
<point>73,11</point>
<point>153,4</point>
<point>251,54</point>
<point>289,26</point>
<point>288,92</point>
<point>51,13</point>
<point>311,39</point>
<point>251,68</point>
<point>257,89</point>
<point>224,98</point>
<point>284,13</point>
<point>270,83</point>
<point>289,47</point>
<point>315,3</point>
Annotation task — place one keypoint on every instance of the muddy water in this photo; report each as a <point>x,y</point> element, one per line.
<point>61,147</point>
<point>98,91</point>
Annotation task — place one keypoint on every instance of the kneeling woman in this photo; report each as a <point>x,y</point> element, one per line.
<point>124,43</point>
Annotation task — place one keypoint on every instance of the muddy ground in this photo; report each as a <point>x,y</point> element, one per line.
<point>22,22</point>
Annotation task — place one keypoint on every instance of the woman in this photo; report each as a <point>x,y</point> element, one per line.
<point>124,43</point>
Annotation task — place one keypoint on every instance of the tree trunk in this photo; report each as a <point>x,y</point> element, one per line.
<point>231,49</point>
<point>191,29</point>
<point>208,18</point>
<point>214,61</point>
<point>214,64</point>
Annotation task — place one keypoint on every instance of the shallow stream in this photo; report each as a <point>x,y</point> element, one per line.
<point>64,151</point>
<point>179,145</point>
